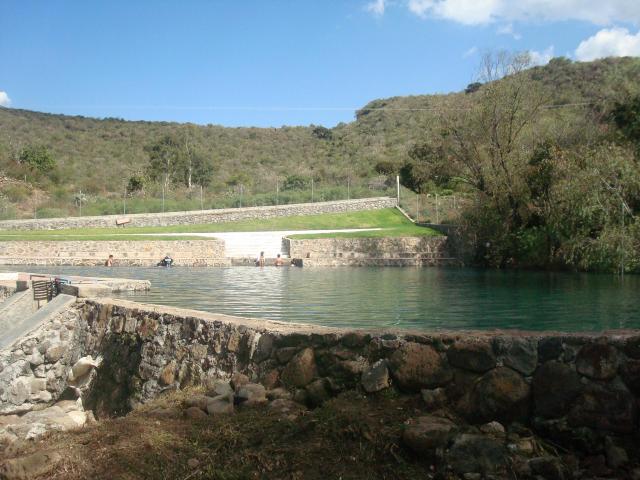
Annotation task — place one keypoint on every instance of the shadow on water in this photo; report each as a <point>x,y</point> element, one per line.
<point>427,298</point>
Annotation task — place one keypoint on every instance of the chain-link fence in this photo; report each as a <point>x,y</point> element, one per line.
<point>157,199</point>
<point>431,207</point>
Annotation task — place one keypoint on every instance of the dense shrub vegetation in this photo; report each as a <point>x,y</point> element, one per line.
<point>546,157</point>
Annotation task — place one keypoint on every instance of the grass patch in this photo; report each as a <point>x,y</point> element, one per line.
<point>349,437</point>
<point>390,219</point>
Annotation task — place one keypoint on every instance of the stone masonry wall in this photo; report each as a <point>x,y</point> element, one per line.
<point>578,390</point>
<point>126,253</point>
<point>201,216</point>
<point>401,251</point>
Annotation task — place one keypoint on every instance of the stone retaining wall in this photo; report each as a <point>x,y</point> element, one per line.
<point>383,251</point>
<point>578,390</point>
<point>197,217</point>
<point>126,253</point>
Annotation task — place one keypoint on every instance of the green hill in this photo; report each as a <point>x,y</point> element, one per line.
<point>98,156</point>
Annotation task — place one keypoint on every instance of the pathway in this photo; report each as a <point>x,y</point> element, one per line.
<point>250,244</point>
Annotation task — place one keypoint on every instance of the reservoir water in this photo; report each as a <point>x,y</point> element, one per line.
<point>411,298</point>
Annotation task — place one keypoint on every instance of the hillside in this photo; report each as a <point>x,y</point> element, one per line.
<point>98,156</point>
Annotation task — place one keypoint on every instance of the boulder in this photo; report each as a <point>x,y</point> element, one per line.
<point>197,401</point>
<point>415,366</point>
<point>318,392</point>
<point>220,405</point>
<point>475,355</point>
<point>549,348</point>
<point>376,377</point>
<point>278,393</point>
<point>237,380</point>
<point>598,361</point>
<point>300,370</point>
<point>195,413</point>
<point>476,454</point>
<point>605,407</point>
<point>434,398</point>
<point>630,373</point>
<point>220,387</point>
<point>55,352</point>
<point>493,428</point>
<point>251,394</point>
<point>519,353</point>
<point>30,466</point>
<point>555,387</point>
<point>502,395</point>
<point>425,434</point>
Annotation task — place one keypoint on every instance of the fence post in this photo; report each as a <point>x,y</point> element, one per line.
<point>437,211</point>
<point>398,189</point>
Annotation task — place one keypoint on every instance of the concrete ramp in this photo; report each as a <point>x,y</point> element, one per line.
<point>16,324</point>
<point>18,305</point>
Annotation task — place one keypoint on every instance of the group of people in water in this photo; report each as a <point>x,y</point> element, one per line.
<point>167,261</point>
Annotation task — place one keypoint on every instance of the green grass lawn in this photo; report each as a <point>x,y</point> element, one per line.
<point>391,220</point>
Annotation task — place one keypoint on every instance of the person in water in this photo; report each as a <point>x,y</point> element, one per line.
<point>260,260</point>
<point>279,261</point>
<point>167,261</point>
<point>109,261</point>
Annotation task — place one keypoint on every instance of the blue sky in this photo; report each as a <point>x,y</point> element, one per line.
<point>273,63</point>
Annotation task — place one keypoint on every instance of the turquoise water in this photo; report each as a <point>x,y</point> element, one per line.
<point>412,298</point>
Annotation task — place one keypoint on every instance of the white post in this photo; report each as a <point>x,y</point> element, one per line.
<point>311,189</point>
<point>201,199</point>
<point>349,188</point>
<point>162,198</point>
<point>437,211</point>
<point>80,202</point>
<point>398,188</point>
<point>277,191</point>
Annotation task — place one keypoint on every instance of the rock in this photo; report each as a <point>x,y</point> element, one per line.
<point>632,347</point>
<point>616,456</point>
<point>434,398</point>
<point>285,354</point>
<point>355,339</point>
<point>526,446</point>
<point>476,454</point>
<point>55,352</point>
<point>630,373</point>
<point>36,359</point>
<point>549,348</point>
<point>300,370</point>
<point>237,380</point>
<point>549,468</point>
<point>493,428</point>
<point>83,367</point>
<point>220,405</point>
<point>519,353</point>
<point>195,413</point>
<point>376,377</point>
<point>278,393</point>
<point>501,394</point>
<point>317,392</point>
<point>264,348</point>
<point>220,387</point>
<point>30,466</point>
<point>193,463</point>
<point>251,394</point>
<point>197,401</point>
<point>425,434</point>
<point>416,366</point>
<point>555,387</point>
<point>610,408</point>
<point>475,355</point>
<point>285,407</point>
<point>271,379</point>
<point>598,361</point>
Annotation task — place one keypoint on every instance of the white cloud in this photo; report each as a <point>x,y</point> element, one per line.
<point>376,7</point>
<point>474,12</point>
<point>471,52</point>
<point>508,30</point>
<point>541,58</point>
<point>609,42</point>
<point>5,101</point>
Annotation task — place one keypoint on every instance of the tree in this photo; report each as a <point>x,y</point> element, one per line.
<point>37,158</point>
<point>164,159</point>
<point>426,164</point>
<point>295,182</point>
<point>472,87</point>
